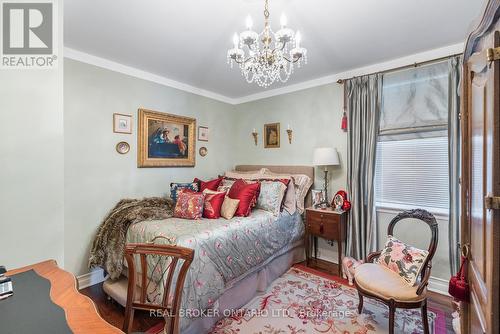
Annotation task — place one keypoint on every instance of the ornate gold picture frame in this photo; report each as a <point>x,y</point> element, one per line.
<point>272,135</point>
<point>165,140</point>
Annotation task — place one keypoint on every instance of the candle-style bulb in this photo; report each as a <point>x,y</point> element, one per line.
<point>236,40</point>
<point>298,39</point>
<point>283,20</point>
<point>249,22</point>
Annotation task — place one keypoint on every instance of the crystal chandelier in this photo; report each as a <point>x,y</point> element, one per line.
<point>268,57</point>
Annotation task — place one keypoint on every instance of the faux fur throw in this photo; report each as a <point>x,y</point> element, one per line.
<point>109,243</point>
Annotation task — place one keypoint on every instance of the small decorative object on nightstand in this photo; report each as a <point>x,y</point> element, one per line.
<point>330,225</point>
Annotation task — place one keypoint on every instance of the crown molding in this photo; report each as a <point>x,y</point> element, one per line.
<point>384,66</point>
<point>395,63</point>
<point>135,72</point>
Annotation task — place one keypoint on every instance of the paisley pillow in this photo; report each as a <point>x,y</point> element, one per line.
<point>213,203</point>
<point>175,187</point>
<point>404,260</point>
<point>271,196</point>
<point>189,204</point>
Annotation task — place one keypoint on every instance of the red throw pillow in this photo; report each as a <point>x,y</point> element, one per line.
<point>213,204</point>
<point>189,205</point>
<point>211,185</point>
<point>247,193</point>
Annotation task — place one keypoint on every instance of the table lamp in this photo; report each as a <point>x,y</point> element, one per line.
<point>326,156</point>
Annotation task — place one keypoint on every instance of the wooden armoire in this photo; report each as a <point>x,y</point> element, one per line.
<point>480,216</point>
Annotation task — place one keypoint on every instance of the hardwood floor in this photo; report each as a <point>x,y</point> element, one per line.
<point>113,312</point>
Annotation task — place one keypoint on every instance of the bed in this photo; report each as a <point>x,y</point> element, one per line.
<point>234,259</point>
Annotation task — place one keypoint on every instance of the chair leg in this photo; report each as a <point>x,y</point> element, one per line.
<point>392,310</point>
<point>129,320</point>
<point>360,304</point>
<point>425,320</point>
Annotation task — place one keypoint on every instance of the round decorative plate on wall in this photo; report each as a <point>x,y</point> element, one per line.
<point>122,147</point>
<point>203,151</point>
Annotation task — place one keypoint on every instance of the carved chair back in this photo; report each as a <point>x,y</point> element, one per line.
<point>430,220</point>
<point>154,272</point>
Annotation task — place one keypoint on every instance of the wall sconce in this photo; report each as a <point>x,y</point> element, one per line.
<point>289,131</point>
<point>255,136</point>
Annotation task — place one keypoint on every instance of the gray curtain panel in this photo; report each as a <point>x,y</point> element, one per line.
<point>454,156</point>
<point>363,112</point>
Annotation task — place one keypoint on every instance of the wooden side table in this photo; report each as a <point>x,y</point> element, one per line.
<point>330,225</point>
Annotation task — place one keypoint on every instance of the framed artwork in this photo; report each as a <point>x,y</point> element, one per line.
<point>122,123</point>
<point>165,140</point>
<point>272,135</point>
<point>203,133</point>
<point>318,197</point>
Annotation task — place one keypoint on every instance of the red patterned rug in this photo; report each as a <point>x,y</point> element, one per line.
<point>305,301</point>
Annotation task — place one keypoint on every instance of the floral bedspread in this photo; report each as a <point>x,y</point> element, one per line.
<point>224,249</point>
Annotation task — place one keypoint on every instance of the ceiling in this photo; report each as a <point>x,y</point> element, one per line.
<point>187,40</point>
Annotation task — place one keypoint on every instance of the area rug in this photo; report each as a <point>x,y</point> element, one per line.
<point>306,301</point>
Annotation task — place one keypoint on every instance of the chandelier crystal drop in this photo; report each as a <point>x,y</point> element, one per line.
<point>267,57</point>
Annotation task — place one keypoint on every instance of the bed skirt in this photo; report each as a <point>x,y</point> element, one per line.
<point>247,287</point>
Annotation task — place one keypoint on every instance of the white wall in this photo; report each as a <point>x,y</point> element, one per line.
<point>31,164</point>
<point>315,116</point>
<point>96,176</point>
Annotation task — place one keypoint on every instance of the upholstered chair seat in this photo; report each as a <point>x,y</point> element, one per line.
<point>382,282</point>
<point>375,280</point>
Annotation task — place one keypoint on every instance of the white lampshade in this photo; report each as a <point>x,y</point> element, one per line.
<point>325,156</point>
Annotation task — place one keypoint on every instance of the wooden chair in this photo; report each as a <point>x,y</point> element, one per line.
<point>152,292</point>
<point>375,281</point>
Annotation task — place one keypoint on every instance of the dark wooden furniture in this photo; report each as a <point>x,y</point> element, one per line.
<point>330,225</point>
<point>151,260</point>
<point>480,186</point>
<point>81,313</point>
<point>420,300</point>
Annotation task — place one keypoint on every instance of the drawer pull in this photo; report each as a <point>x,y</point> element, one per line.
<point>321,229</point>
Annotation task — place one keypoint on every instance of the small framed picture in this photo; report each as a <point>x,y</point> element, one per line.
<point>272,135</point>
<point>318,197</point>
<point>203,133</point>
<point>122,123</point>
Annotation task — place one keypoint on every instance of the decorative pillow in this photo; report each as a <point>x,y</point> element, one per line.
<point>213,203</point>
<point>229,207</point>
<point>189,204</point>
<point>271,196</point>
<point>211,185</point>
<point>175,187</point>
<point>301,182</point>
<point>406,261</point>
<point>247,193</point>
<point>225,185</point>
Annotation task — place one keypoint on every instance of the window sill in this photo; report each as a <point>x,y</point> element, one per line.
<point>395,208</point>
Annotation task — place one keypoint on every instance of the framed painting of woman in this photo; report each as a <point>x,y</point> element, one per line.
<point>165,140</point>
<point>272,135</point>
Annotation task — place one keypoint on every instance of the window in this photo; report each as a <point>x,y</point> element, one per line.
<point>412,151</point>
<point>413,172</point>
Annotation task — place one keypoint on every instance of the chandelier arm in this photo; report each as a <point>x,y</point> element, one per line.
<point>292,61</point>
<point>243,61</point>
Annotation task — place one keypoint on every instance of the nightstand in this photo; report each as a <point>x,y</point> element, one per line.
<point>330,225</point>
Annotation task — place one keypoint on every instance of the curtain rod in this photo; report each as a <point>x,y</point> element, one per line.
<point>416,64</point>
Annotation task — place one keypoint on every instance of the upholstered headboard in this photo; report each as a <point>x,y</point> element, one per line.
<point>306,170</point>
